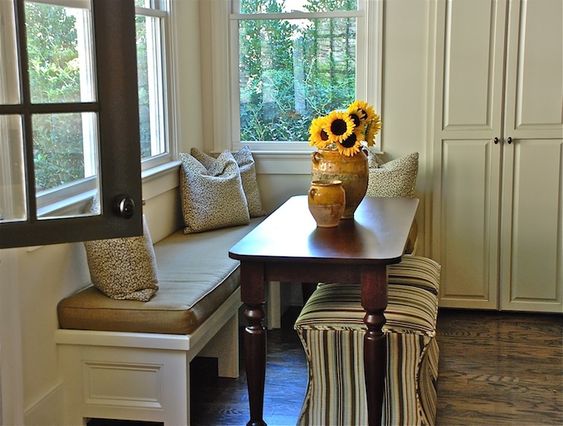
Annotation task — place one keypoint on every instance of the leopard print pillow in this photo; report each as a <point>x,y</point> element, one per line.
<point>212,196</point>
<point>124,268</point>
<point>396,178</point>
<point>247,168</point>
<point>375,157</point>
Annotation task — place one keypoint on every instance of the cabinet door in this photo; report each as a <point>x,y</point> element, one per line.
<point>532,193</point>
<point>470,54</point>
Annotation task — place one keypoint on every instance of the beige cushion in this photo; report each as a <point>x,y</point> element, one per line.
<point>123,268</point>
<point>212,196</point>
<point>396,178</point>
<point>195,276</point>
<point>247,168</point>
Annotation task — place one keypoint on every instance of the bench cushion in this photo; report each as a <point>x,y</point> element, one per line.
<point>195,277</point>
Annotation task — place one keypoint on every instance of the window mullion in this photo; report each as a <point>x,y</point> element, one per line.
<point>79,4</point>
<point>234,84</point>
<point>296,15</point>
<point>31,201</point>
<point>156,13</point>
<point>154,77</point>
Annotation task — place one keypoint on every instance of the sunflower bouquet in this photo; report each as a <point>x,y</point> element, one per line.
<point>346,130</point>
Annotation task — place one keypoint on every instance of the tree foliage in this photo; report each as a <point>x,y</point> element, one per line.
<point>54,76</point>
<point>293,70</point>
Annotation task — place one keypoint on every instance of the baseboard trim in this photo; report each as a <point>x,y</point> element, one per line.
<point>47,410</point>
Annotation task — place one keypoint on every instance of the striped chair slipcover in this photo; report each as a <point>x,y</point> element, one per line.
<point>331,330</point>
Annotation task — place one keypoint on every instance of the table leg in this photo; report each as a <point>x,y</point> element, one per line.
<point>253,295</point>
<point>374,301</point>
<point>255,362</point>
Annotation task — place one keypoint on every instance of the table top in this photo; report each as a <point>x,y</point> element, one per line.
<point>377,234</point>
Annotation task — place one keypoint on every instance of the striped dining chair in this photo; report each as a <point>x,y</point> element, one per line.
<point>331,330</point>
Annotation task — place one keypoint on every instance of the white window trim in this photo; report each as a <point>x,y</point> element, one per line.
<point>79,4</point>
<point>224,71</point>
<point>166,83</point>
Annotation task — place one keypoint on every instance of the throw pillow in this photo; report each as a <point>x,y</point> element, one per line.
<point>247,168</point>
<point>212,196</point>
<point>124,268</point>
<point>375,157</point>
<point>396,178</point>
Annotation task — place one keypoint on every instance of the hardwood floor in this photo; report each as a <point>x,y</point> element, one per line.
<point>500,368</point>
<point>495,369</point>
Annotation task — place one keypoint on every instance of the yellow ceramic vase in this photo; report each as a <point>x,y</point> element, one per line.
<point>326,201</point>
<point>330,165</point>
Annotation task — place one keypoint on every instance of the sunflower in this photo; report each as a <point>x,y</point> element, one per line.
<point>317,134</point>
<point>350,145</point>
<point>373,129</point>
<point>339,126</point>
<point>364,108</point>
<point>357,115</point>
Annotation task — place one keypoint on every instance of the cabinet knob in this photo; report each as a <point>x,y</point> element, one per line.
<point>495,140</point>
<point>509,140</point>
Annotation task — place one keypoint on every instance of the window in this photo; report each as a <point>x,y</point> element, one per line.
<point>69,124</point>
<point>151,32</point>
<point>294,60</point>
<point>60,50</point>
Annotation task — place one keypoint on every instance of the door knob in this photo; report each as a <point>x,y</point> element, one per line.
<point>509,140</point>
<point>124,206</point>
<point>495,140</point>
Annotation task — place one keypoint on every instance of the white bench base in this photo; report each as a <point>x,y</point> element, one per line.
<point>142,376</point>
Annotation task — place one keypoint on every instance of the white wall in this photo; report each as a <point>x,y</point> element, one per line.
<point>405,112</point>
<point>45,275</point>
<point>11,371</point>
<point>191,131</point>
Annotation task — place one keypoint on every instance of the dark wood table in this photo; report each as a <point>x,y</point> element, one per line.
<point>288,247</point>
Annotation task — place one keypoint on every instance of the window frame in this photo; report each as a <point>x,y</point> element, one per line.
<point>116,107</point>
<point>56,201</point>
<point>162,9</point>
<point>369,36</point>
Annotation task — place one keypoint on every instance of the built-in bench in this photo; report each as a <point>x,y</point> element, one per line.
<point>130,360</point>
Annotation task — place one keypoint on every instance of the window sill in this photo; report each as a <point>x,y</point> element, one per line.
<point>282,162</point>
<point>151,178</point>
<point>160,170</point>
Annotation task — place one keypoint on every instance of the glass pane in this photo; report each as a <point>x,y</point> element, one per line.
<point>151,93</point>
<point>276,6</point>
<point>9,78</point>
<point>60,49</point>
<point>143,3</point>
<point>12,167</point>
<point>65,153</point>
<point>292,71</point>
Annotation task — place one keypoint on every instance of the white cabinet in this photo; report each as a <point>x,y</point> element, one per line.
<point>498,154</point>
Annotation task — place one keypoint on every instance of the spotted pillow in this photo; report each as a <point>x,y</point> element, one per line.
<point>396,178</point>
<point>375,157</point>
<point>212,195</point>
<point>247,168</point>
<point>124,268</point>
